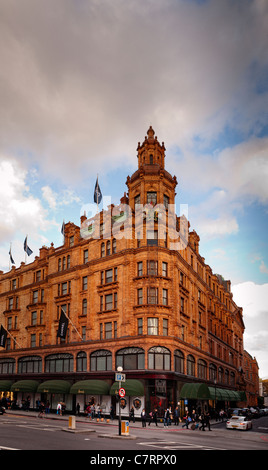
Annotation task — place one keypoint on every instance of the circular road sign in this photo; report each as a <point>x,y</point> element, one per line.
<point>122,392</point>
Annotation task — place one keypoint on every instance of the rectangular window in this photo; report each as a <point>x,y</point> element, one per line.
<point>152,237</point>
<point>84,307</point>
<point>35,296</point>
<point>152,326</point>
<point>152,268</point>
<point>165,297</point>
<point>33,341</point>
<point>164,269</point>
<point>165,327</point>
<point>182,304</point>
<point>166,201</point>
<point>84,283</point>
<point>151,198</point>
<point>34,318</point>
<point>109,302</point>
<point>140,326</point>
<point>64,288</point>
<point>140,296</point>
<point>140,268</point>
<point>152,295</point>
<point>10,303</point>
<point>108,330</point>
<point>109,276</point>
<point>85,256</point>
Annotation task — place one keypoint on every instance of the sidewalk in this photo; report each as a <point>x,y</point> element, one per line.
<point>84,419</point>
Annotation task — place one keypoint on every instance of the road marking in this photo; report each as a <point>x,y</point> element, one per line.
<point>7,448</point>
<point>171,445</point>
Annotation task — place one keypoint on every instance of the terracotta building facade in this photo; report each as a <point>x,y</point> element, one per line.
<point>137,294</point>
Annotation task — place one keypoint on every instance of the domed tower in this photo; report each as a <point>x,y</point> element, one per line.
<point>151,183</point>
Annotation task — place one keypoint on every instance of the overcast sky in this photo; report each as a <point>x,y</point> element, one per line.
<point>80,83</point>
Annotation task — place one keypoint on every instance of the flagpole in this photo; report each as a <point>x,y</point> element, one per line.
<point>9,255</point>
<point>97,193</point>
<point>13,338</point>
<point>71,323</point>
<point>26,247</point>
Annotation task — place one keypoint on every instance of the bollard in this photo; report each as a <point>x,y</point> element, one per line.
<point>125,428</point>
<point>72,422</point>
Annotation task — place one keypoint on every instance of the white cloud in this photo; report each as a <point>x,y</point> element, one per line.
<point>55,200</point>
<point>263,268</point>
<point>253,298</point>
<point>81,86</point>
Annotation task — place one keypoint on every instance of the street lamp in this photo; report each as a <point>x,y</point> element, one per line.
<point>215,383</point>
<point>119,369</point>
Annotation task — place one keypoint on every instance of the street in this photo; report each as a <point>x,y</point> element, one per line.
<point>28,432</point>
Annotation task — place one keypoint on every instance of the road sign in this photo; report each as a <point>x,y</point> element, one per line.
<point>120,377</point>
<point>122,392</point>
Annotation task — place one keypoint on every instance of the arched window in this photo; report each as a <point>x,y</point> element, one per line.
<point>232,378</point>
<point>29,364</point>
<point>59,363</point>
<point>101,360</point>
<point>212,372</point>
<point>130,358</point>
<point>179,361</point>
<point>81,361</point>
<point>220,375</point>
<point>226,377</point>
<point>190,365</point>
<point>202,369</point>
<point>108,248</point>
<point>159,358</point>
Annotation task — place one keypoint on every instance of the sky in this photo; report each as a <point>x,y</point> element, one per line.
<point>81,81</point>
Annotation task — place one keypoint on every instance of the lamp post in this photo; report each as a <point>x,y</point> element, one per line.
<point>215,383</point>
<point>119,369</point>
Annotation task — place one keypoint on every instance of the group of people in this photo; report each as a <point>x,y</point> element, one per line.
<point>196,421</point>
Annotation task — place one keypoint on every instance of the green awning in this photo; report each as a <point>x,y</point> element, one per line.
<point>224,394</point>
<point>5,385</point>
<point>243,396</point>
<point>54,386</point>
<point>133,388</point>
<point>94,387</point>
<point>25,386</point>
<point>195,391</point>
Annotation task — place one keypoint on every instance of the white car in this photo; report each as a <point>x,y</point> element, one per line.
<point>239,422</point>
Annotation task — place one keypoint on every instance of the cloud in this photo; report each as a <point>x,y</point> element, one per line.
<point>263,268</point>
<point>20,211</point>
<point>253,299</point>
<point>80,99</point>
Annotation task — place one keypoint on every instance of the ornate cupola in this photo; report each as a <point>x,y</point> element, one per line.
<point>151,183</point>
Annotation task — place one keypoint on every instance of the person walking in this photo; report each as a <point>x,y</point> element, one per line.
<point>202,422</point>
<point>176,416</point>
<point>207,421</point>
<point>132,415</point>
<point>143,418</point>
<point>155,416</point>
<point>186,420</point>
<point>166,417</point>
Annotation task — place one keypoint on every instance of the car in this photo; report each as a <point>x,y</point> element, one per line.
<point>239,422</point>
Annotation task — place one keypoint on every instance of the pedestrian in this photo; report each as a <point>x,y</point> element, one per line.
<point>143,418</point>
<point>166,416</point>
<point>88,411</point>
<point>59,409</point>
<point>186,420</point>
<point>78,409</point>
<point>207,420</point>
<point>155,416</point>
<point>202,419</point>
<point>47,407</point>
<point>132,415</point>
<point>176,416</point>
<point>41,410</point>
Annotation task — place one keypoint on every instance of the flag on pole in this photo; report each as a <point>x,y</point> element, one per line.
<point>97,193</point>
<point>3,336</point>
<point>26,248</point>
<point>63,228</point>
<point>63,325</point>
<point>10,257</point>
